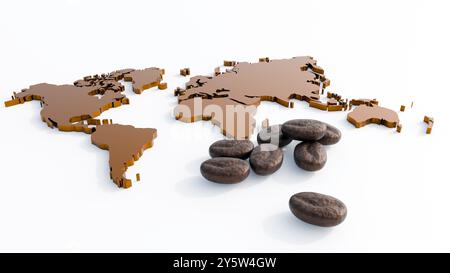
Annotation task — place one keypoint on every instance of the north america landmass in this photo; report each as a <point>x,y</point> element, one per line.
<point>75,108</point>
<point>228,99</point>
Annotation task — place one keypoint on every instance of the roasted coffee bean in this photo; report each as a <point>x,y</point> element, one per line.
<point>231,148</point>
<point>332,136</point>
<point>310,156</point>
<point>304,129</point>
<point>266,159</point>
<point>225,170</point>
<point>318,209</point>
<point>273,135</point>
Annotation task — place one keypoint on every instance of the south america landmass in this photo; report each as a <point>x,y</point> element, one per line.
<point>125,144</point>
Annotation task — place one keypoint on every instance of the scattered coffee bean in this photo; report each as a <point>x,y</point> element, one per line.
<point>231,148</point>
<point>273,135</point>
<point>266,159</point>
<point>332,136</point>
<point>318,209</point>
<point>310,156</point>
<point>225,170</point>
<point>304,129</point>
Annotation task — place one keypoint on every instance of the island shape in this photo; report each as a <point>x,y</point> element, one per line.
<point>125,144</point>
<point>144,79</point>
<point>247,84</point>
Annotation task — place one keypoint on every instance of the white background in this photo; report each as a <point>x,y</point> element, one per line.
<point>55,192</point>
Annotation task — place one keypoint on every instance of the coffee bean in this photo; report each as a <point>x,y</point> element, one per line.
<point>310,156</point>
<point>318,209</point>
<point>225,170</point>
<point>273,135</point>
<point>304,129</point>
<point>231,148</point>
<point>266,159</point>
<point>332,136</point>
